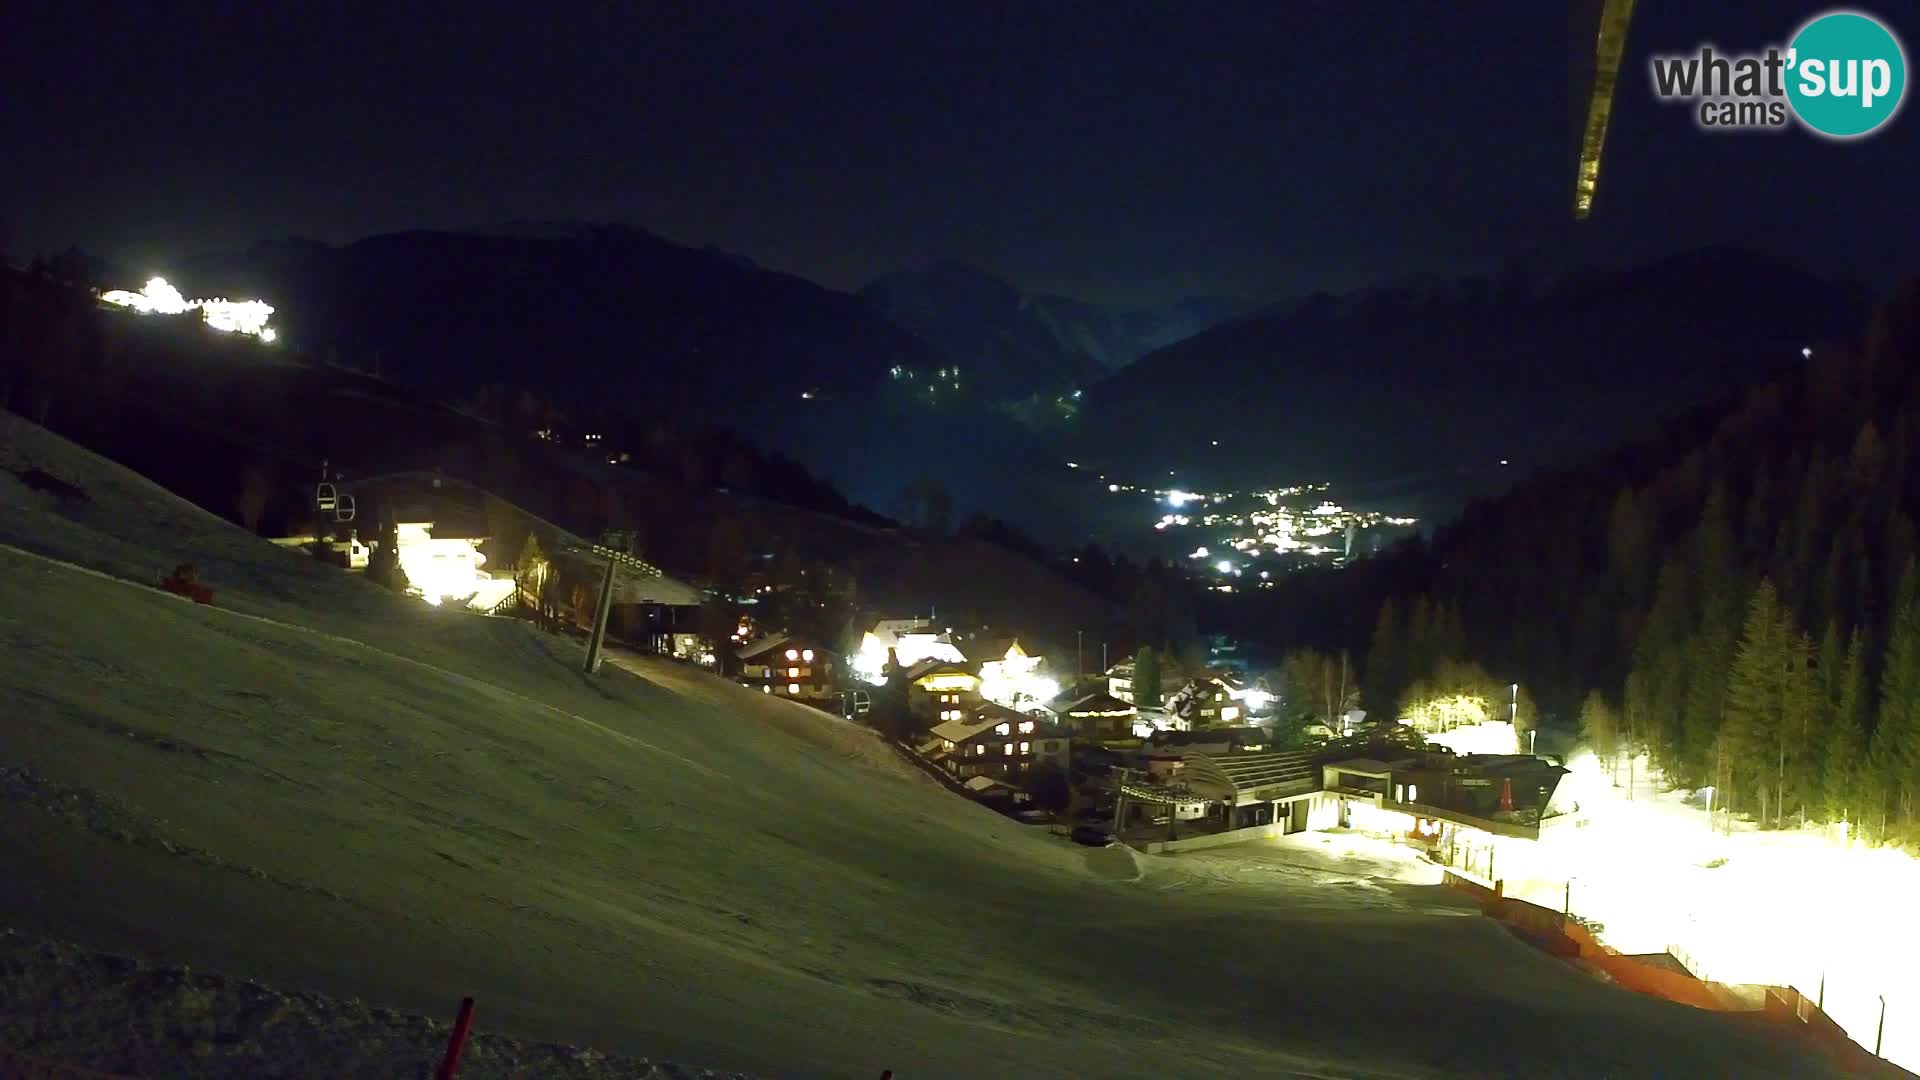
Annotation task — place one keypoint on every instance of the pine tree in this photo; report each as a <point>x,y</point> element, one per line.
<point>1847,738</point>
<point>1146,677</point>
<point>1710,653</point>
<point>1896,738</point>
<point>1601,728</point>
<point>1385,675</point>
<point>1803,717</point>
<point>1754,698</point>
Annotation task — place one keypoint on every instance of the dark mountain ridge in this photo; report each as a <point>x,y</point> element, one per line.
<point>1445,380</point>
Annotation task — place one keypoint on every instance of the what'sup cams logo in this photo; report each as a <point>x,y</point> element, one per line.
<point>1842,76</point>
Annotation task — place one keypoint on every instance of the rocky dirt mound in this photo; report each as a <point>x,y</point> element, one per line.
<point>67,1013</point>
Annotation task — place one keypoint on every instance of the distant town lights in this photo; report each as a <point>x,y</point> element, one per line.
<point>1223,566</point>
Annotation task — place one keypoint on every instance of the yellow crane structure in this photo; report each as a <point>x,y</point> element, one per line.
<point>1609,45</point>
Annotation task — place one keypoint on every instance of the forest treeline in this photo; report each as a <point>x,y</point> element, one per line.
<point>1735,595</point>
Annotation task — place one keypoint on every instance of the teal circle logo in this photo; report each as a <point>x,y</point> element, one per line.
<point>1846,74</point>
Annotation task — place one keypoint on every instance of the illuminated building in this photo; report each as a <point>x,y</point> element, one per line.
<point>1100,718</point>
<point>939,691</point>
<point>1011,677</point>
<point>1212,700</point>
<point>995,741</point>
<point>788,665</point>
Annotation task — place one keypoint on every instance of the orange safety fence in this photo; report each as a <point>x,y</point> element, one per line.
<point>1564,936</point>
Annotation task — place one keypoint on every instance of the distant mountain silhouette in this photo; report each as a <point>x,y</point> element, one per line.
<point>1016,344</point>
<point>613,317</point>
<point>1431,380</point>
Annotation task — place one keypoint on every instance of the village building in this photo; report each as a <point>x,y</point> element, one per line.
<point>1098,718</point>
<point>939,691</point>
<point>791,665</point>
<point>878,644</point>
<point>1209,700</point>
<point>1010,674</point>
<point>1485,815</point>
<point>997,742</point>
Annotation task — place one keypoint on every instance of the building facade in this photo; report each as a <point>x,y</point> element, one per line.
<point>791,666</point>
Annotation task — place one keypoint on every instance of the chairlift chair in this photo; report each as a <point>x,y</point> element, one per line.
<point>325,498</point>
<point>343,508</point>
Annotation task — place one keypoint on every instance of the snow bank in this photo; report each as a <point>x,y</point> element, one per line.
<point>116,1015</point>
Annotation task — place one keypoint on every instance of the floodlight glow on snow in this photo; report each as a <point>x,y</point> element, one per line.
<point>870,663</point>
<point>1015,680</point>
<point>439,569</point>
<point>1254,698</point>
<point>232,316</point>
<point>1223,566</point>
<point>1178,499</point>
<point>910,649</point>
<point>1492,737</point>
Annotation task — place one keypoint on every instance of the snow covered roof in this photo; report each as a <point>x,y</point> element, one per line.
<point>934,666</point>
<point>1094,704</point>
<point>959,731</point>
<point>981,784</point>
<point>763,644</point>
<point>996,647</point>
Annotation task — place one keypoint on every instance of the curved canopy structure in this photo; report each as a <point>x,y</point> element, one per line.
<point>1241,779</point>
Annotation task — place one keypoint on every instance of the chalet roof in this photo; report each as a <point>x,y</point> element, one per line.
<point>994,647</point>
<point>1043,727</point>
<point>760,645</point>
<point>763,645</point>
<point>959,731</point>
<point>936,667</point>
<point>982,784</point>
<point>1093,703</point>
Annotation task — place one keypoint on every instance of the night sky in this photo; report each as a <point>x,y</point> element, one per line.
<point>1108,150</point>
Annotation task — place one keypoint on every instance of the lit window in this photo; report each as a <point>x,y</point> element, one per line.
<point>1002,730</point>
<point>979,748</point>
<point>793,688</point>
<point>946,744</point>
<point>1413,792</point>
<point>1007,749</point>
<point>793,673</point>
<point>1024,747</point>
<point>794,654</point>
<point>1026,727</point>
<point>807,655</point>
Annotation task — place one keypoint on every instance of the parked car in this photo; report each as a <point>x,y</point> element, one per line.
<point>1091,835</point>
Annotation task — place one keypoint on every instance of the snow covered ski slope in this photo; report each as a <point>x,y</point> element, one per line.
<point>322,785</point>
